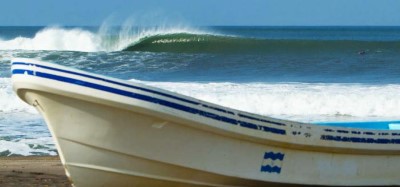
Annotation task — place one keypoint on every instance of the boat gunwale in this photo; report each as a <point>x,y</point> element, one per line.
<point>145,88</point>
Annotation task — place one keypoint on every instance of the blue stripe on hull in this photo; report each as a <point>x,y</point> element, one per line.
<point>144,89</point>
<point>152,100</point>
<point>183,107</point>
<point>106,80</point>
<point>360,140</point>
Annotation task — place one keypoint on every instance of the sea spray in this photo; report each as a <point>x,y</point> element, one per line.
<point>121,38</point>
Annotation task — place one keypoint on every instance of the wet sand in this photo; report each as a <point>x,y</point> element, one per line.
<point>32,171</point>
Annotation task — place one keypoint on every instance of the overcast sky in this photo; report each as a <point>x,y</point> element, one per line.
<point>202,12</point>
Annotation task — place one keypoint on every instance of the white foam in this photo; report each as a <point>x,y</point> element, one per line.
<point>22,131</point>
<point>25,147</point>
<point>9,102</point>
<point>54,38</point>
<point>300,101</point>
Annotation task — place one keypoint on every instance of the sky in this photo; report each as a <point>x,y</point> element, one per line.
<point>201,12</point>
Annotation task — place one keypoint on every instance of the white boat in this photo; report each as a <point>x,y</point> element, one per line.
<point>111,132</point>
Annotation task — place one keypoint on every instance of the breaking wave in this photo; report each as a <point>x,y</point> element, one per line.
<point>79,39</point>
<point>182,40</point>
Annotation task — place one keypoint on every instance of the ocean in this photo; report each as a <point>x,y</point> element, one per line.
<point>308,74</point>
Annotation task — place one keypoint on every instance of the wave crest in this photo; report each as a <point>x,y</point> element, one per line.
<point>189,42</point>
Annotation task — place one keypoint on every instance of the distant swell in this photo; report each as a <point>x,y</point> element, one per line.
<point>199,43</point>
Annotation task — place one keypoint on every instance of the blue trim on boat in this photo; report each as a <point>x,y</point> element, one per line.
<point>262,120</point>
<point>381,125</point>
<point>342,131</point>
<point>144,89</point>
<point>360,140</point>
<point>218,109</point>
<point>150,99</point>
<point>109,81</point>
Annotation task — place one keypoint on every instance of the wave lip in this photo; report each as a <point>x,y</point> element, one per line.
<point>136,39</point>
<point>186,42</point>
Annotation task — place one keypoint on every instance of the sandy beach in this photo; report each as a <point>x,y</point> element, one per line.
<point>32,171</point>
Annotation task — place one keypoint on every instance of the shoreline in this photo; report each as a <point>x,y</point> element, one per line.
<point>32,171</point>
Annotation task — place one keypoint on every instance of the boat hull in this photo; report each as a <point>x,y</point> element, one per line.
<point>108,140</point>
<point>92,139</point>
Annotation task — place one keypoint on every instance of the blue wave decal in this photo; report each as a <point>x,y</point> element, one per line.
<point>270,169</point>
<point>274,156</point>
<point>272,162</point>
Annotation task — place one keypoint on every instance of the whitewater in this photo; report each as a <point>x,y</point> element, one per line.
<point>303,74</point>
